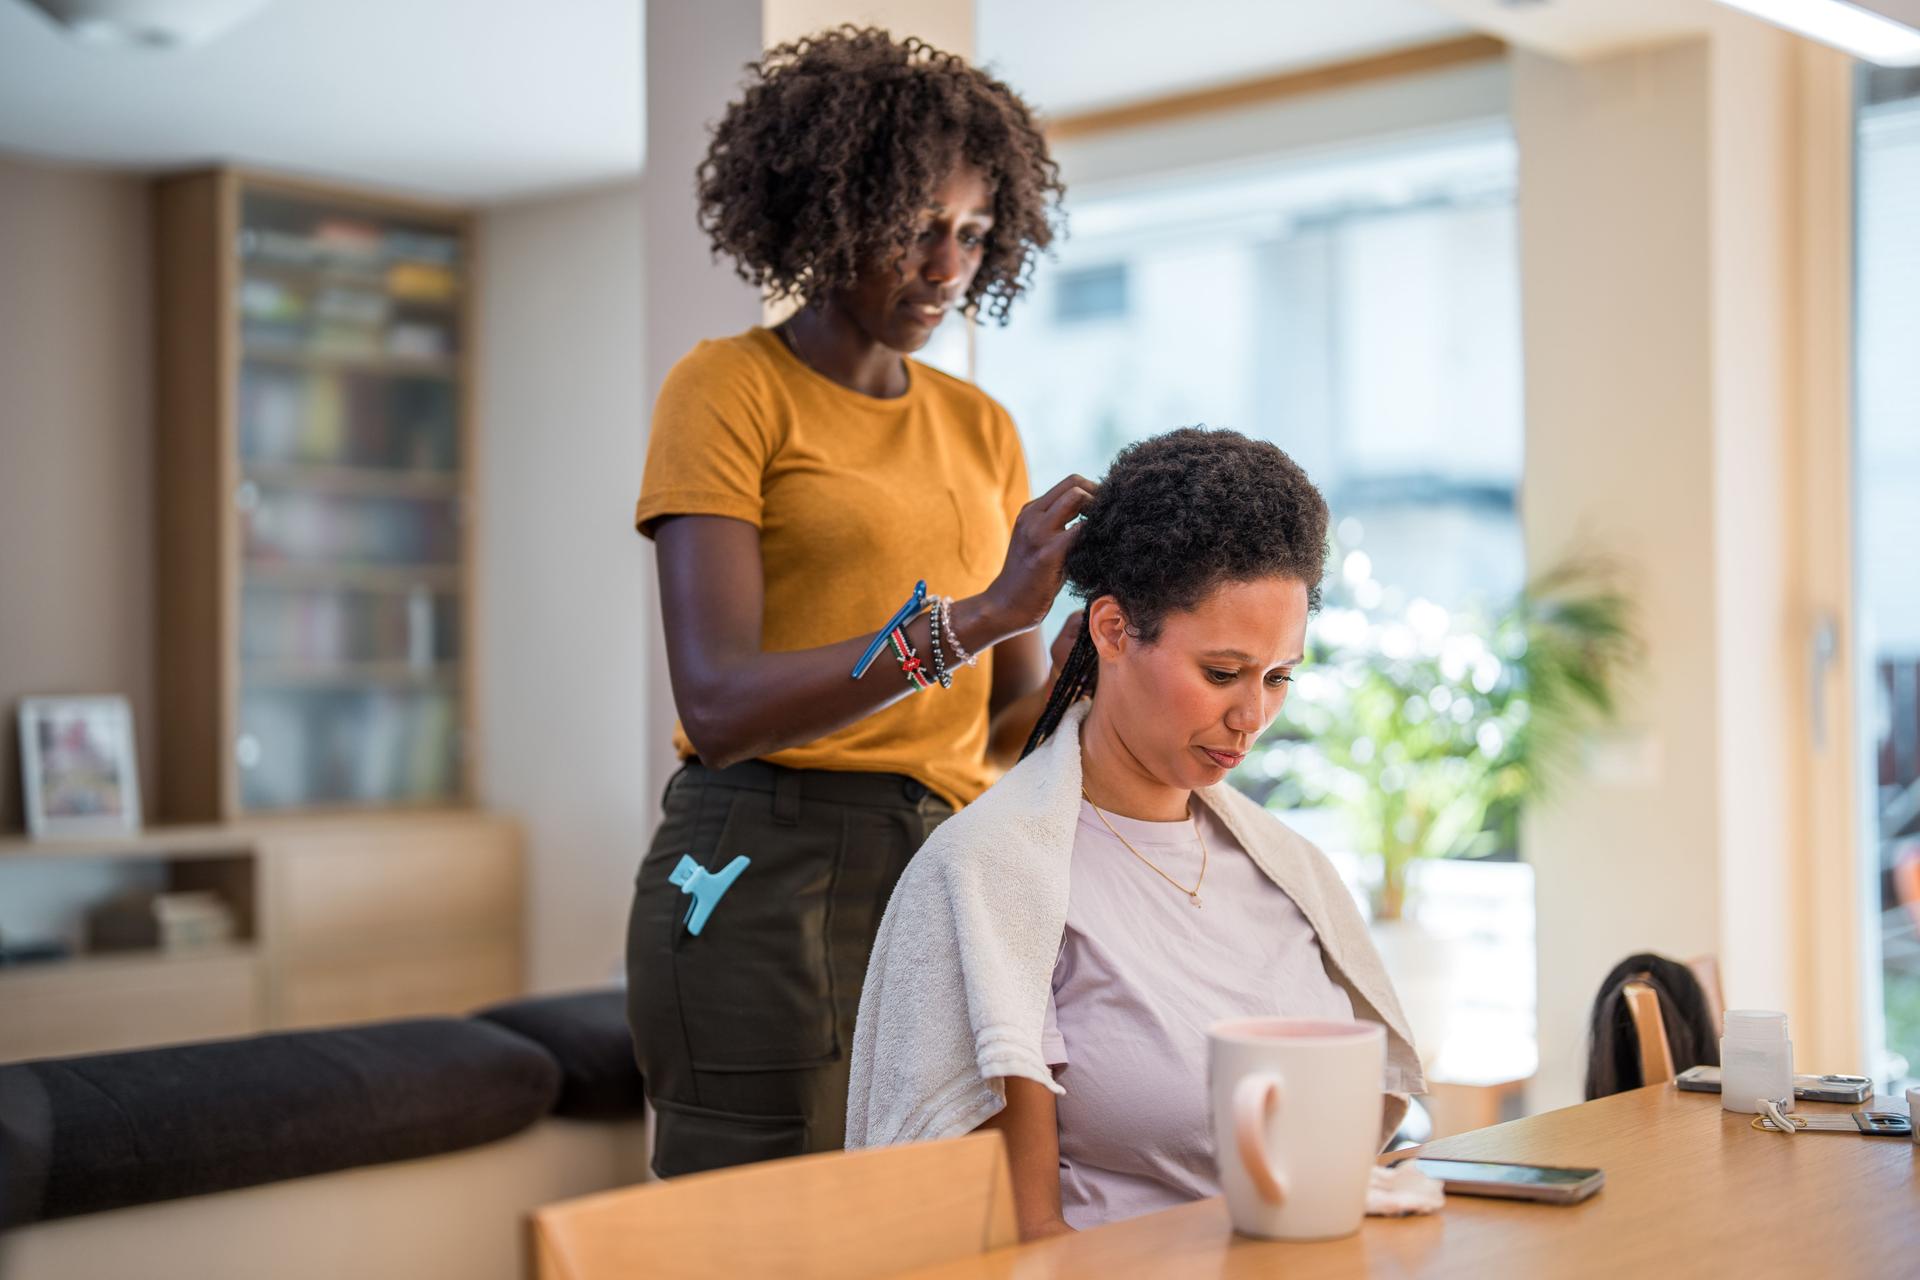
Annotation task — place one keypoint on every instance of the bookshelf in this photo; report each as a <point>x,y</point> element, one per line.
<point>314,855</point>
<point>314,545</point>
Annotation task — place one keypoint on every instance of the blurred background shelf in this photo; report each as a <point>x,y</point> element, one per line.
<point>175,842</point>
<point>316,499</point>
<point>402,482</point>
<point>312,278</point>
<point>358,577</point>
<point>354,675</point>
<point>332,362</point>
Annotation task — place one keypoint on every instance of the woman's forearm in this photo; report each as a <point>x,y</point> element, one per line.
<point>737,702</point>
<point>737,706</point>
<point>1031,1126</point>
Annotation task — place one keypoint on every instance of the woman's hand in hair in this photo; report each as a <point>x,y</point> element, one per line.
<point>1037,555</point>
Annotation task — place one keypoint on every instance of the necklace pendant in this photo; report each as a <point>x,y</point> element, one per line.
<point>1194,898</point>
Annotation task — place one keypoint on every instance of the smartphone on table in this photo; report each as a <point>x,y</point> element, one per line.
<point>1829,1088</point>
<point>1548,1184</point>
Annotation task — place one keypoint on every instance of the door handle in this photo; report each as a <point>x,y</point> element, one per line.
<point>1825,650</point>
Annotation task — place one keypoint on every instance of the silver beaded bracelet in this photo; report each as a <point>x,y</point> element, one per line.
<point>944,621</point>
<point>940,672</point>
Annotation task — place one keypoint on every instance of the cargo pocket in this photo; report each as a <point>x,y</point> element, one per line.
<point>696,1139</point>
<point>755,985</point>
<point>691,816</point>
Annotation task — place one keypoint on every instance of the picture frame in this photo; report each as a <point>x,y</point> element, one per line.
<point>79,773</point>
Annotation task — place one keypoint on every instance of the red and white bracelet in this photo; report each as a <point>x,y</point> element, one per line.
<point>909,660</point>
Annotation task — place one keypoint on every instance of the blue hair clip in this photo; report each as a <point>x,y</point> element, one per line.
<point>913,606</point>
<point>704,887</point>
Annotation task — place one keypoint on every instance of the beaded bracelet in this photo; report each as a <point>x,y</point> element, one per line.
<point>940,671</point>
<point>909,660</point>
<point>943,608</point>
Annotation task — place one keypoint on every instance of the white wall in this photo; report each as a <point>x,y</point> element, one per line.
<point>76,430</point>
<point>563,609</point>
<point>1614,160</point>
<point>1670,204</point>
<point>695,55</point>
<point>944,24</point>
<point>1761,629</point>
<point>76,490</point>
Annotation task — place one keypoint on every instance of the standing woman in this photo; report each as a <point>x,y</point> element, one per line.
<point>800,482</point>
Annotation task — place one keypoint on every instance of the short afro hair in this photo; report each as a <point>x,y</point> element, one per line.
<point>1177,516</point>
<point>824,165</point>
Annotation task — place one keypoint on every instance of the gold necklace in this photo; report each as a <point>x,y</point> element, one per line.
<point>1193,894</point>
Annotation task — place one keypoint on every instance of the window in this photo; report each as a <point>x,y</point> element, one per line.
<point>1886,535</point>
<point>1362,312</point>
<point>1091,293</point>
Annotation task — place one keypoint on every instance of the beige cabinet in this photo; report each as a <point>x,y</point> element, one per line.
<point>101,1004</point>
<point>340,919</point>
<point>392,919</point>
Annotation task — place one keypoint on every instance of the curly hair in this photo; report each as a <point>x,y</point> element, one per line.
<point>825,163</point>
<point>1177,516</point>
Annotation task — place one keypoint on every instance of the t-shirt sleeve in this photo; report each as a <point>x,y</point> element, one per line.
<point>710,441</point>
<point>1053,1045</point>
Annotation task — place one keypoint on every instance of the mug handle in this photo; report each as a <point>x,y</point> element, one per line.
<point>1255,1099</point>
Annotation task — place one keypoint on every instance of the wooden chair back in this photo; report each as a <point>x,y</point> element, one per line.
<point>1650,1029</point>
<point>843,1214</point>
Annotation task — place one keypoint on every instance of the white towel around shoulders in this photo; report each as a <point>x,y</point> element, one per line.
<point>957,985</point>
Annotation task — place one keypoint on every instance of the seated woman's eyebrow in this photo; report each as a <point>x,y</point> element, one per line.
<point>1247,660</point>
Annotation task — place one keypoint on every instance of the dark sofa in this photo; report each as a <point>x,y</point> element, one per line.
<point>104,1132</point>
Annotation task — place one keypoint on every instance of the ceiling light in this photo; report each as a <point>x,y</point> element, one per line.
<point>1849,28</point>
<point>152,24</point>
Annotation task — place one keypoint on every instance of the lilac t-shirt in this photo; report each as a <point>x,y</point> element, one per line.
<point>1142,974</point>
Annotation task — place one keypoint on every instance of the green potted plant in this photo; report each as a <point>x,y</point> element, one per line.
<point>1428,732</point>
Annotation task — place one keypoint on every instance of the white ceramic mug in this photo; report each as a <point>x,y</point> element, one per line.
<point>1297,1108</point>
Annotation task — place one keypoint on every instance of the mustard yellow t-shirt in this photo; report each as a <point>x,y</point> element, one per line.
<point>856,499</point>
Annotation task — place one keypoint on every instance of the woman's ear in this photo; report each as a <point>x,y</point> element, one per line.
<point>1107,624</point>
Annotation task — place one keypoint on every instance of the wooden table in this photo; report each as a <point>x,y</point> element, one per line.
<point>1691,1191</point>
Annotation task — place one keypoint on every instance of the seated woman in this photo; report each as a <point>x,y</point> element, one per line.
<point>1050,963</point>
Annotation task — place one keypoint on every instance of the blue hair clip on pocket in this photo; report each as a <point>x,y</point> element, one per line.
<point>705,887</point>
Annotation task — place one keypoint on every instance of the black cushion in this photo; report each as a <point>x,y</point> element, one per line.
<point>128,1128</point>
<point>586,1032</point>
<point>26,1141</point>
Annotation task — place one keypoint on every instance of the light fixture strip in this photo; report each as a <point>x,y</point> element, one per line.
<point>1846,27</point>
